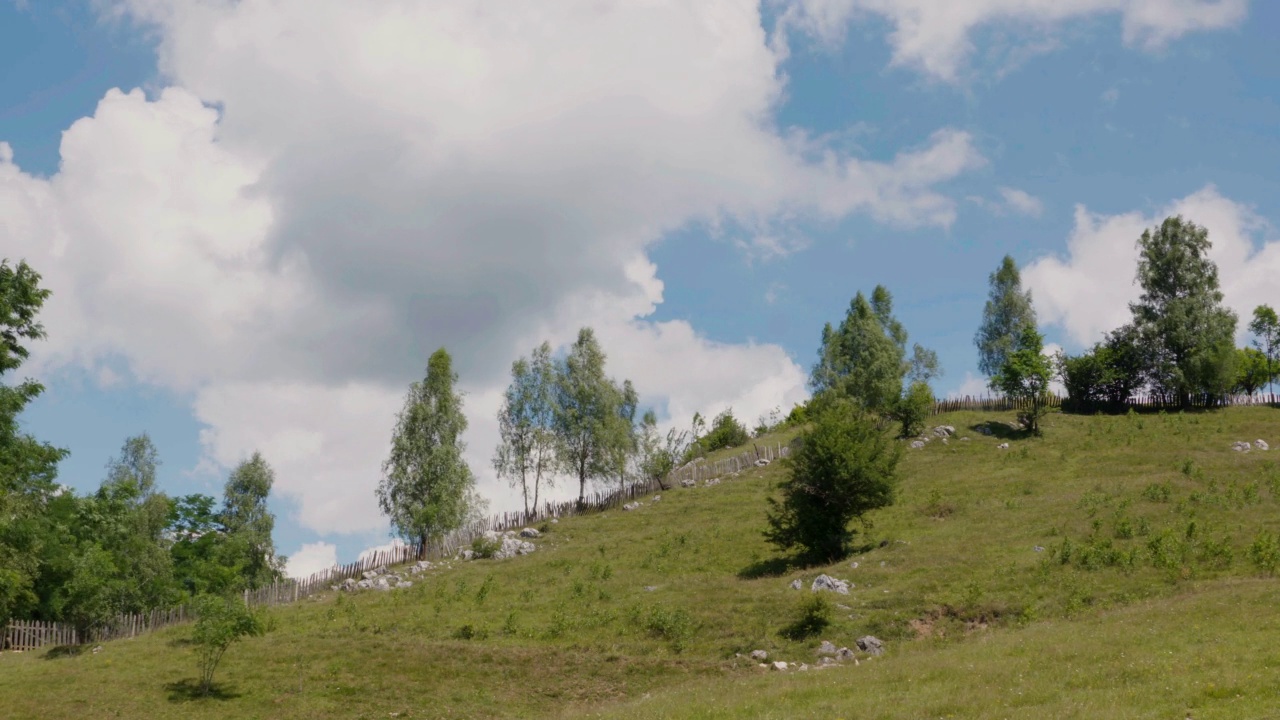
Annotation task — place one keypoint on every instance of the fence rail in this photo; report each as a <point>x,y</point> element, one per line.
<point>1138,402</point>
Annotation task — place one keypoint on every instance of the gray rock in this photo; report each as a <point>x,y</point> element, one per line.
<point>797,584</point>
<point>917,444</point>
<point>964,439</point>
<point>530,533</point>
<point>943,431</point>
<point>761,463</point>
<point>512,547</point>
<point>656,498</point>
<point>826,582</point>
<point>1039,548</point>
<point>712,481</point>
<point>555,521</point>
<point>468,555</point>
<point>844,653</point>
<point>824,662</point>
<point>826,648</point>
<point>1261,445</point>
<point>803,666</point>
<point>650,588</point>
<point>631,506</point>
<point>364,585</point>
<point>1241,446</point>
<point>688,482</point>
<point>779,665</point>
<point>369,574</point>
<point>1003,446</point>
<point>382,584</point>
<point>853,565</point>
<point>870,644</point>
<point>405,584</point>
<point>759,655</point>
<point>492,536</point>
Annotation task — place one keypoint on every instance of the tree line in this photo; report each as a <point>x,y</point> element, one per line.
<point>127,547</point>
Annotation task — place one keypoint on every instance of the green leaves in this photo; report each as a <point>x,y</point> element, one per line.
<point>1025,375</point>
<point>220,621</point>
<point>1007,311</point>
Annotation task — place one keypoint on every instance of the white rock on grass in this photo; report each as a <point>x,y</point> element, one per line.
<point>759,655</point>
<point>1241,446</point>
<point>797,584</point>
<point>917,444</point>
<point>779,665</point>
<point>1003,446</point>
<point>826,582</point>
<point>530,533</point>
<point>826,648</point>
<point>631,506</point>
<point>1261,444</point>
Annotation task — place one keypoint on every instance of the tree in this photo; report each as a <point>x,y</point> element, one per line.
<point>587,412</point>
<point>845,468</point>
<point>658,455</point>
<point>864,358</point>
<point>248,523</point>
<point>1266,330</point>
<point>28,467</point>
<point>198,547</point>
<point>220,621</point>
<point>427,488</point>
<point>913,408</point>
<point>623,438</point>
<point>526,425</point>
<point>1253,371</point>
<point>1108,374</point>
<point>1026,375</point>
<point>1180,315</point>
<point>1007,311</point>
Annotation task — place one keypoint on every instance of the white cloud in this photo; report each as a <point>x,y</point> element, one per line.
<point>773,292</point>
<point>936,36</point>
<point>310,559</point>
<point>380,180</point>
<point>971,386</point>
<point>1087,292</point>
<point>1021,201</point>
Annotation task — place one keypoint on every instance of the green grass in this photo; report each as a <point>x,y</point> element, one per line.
<point>1160,607</point>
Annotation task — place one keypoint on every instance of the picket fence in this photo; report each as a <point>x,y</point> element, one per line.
<point>1137,402</point>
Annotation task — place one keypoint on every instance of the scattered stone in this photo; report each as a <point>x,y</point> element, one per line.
<point>779,665</point>
<point>826,648</point>
<point>555,521</point>
<point>759,655</point>
<point>844,653</point>
<point>964,439</point>
<point>404,584</point>
<point>96,649</point>
<point>650,588</point>
<point>917,444</point>
<point>944,441</point>
<point>1261,445</point>
<point>761,463</point>
<point>804,666</point>
<point>826,661</point>
<point>712,481</point>
<point>512,547</point>
<point>1002,446</point>
<point>870,644</point>
<point>688,483</point>
<point>1241,446</point>
<point>796,584</point>
<point>530,533</point>
<point>468,554</point>
<point>1039,548</point>
<point>364,585</point>
<point>656,498</point>
<point>944,431</point>
<point>853,565</point>
<point>631,506</point>
<point>826,582</point>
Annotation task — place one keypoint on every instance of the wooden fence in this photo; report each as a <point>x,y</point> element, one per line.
<point>1137,402</point>
<point>24,635</point>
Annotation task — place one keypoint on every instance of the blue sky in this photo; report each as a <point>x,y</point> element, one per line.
<point>262,255</point>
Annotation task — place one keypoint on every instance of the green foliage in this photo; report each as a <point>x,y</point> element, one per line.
<point>526,425</point>
<point>592,420</point>
<point>1007,312</point>
<point>1107,375</point>
<point>485,548</point>
<point>657,455</point>
<point>1180,316</point>
<point>1025,376</point>
<point>912,410</point>
<point>844,469</point>
<point>813,615</point>
<point>726,432</point>
<point>674,626</point>
<point>427,488</point>
<point>220,622</point>
<point>248,523</point>
<point>1253,371</point>
<point>1265,327</point>
<point>1264,552</point>
<point>865,358</point>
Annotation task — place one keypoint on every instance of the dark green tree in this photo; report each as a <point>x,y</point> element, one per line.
<point>248,523</point>
<point>845,468</point>
<point>427,488</point>
<point>1026,375</point>
<point>1253,371</point>
<point>1180,316</point>
<point>1265,327</point>
<point>588,409</point>
<point>1007,311</point>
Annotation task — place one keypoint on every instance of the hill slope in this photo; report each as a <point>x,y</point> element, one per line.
<point>1158,609</point>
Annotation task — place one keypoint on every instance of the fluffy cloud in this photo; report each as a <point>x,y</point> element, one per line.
<point>1087,292</point>
<point>935,36</point>
<point>311,558</point>
<point>1011,200</point>
<point>329,191</point>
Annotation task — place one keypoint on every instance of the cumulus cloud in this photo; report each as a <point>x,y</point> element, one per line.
<point>1011,200</point>
<point>1087,292</point>
<point>310,559</point>
<point>936,36</point>
<point>329,191</point>
<point>971,386</point>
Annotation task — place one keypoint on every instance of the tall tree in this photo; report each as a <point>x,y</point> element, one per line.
<point>1265,327</point>
<point>526,425</point>
<point>1007,311</point>
<point>1026,375</point>
<point>587,409</point>
<point>1180,314</point>
<point>864,358</point>
<point>137,516</point>
<point>249,524</point>
<point>623,434</point>
<point>28,467</point>
<point>658,455</point>
<point>427,488</point>
<point>1252,371</point>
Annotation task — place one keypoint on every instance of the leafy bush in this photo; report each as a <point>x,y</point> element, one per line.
<point>220,621</point>
<point>812,617</point>
<point>726,432</point>
<point>1265,553</point>
<point>844,468</point>
<point>674,626</point>
<point>913,408</point>
<point>484,548</point>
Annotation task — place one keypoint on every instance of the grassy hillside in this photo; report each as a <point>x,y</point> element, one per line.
<point>1145,601</point>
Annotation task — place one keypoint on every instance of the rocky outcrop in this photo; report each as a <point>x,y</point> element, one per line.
<point>870,644</point>
<point>826,582</point>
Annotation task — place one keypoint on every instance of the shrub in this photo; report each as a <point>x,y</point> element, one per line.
<point>1265,553</point>
<point>220,622</point>
<point>844,468</point>
<point>913,408</point>
<point>484,548</point>
<point>674,626</point>
<point>726,432</point>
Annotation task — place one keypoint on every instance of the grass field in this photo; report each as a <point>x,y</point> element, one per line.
<point>1151,596</point>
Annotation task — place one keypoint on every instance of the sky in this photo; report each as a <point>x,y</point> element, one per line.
<point>258,218</point>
